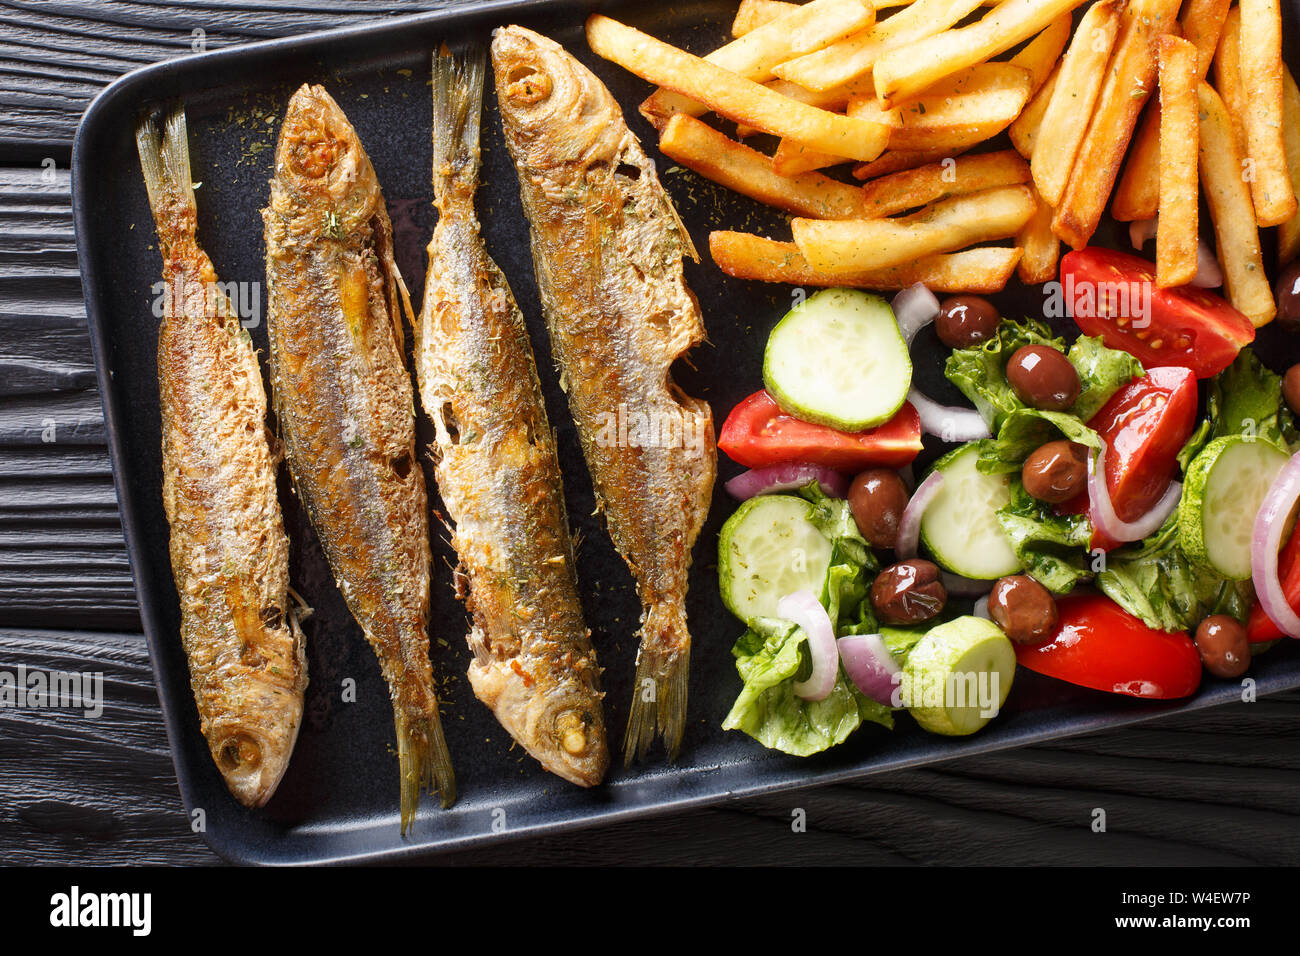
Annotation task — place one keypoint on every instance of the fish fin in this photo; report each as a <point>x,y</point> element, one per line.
<point>663,667</point>
<point>424,762</point>
<point>457,111</point>
<point>165,162</point>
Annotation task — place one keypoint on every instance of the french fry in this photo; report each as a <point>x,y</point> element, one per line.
<point>1078,83</point>
<point>1024,131</point>
<point>1288,234</point>
<point>834,100</point>
<point>752,14</point>
<point>1130,78</point>
<point>1176,230</point>
<point>905,71</point>
<point>1041,247</point>
<point>850,59</point>
<point>732,96</point>
<point>1227,75</point>
<point>1231,210</point>
<point>979,271</point>
<point>1041,54</point>
<point>986,94</point>
<point>954,138</point>
<point>897,160</point>
<point>1202,23</point>
<point>1137,194</point>
<point>700,147</point>
<point>793,158</point>
<point>911,188</point>
<point>858,245</point>
<point>1261,76</point>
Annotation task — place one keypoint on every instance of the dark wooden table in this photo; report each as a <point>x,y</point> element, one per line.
<point>1215,787</point>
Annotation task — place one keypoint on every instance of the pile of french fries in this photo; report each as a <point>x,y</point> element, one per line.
<point>905,94</point>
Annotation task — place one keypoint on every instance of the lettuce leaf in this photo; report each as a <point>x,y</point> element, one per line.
<point>1052,548</point>
<point>1025,430</point>
<point>1246,398</point>
<point>980,372</point>
<point>1102,373</point>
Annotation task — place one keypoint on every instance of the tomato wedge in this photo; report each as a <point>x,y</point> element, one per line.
<point>1114,295</point>
<point>757,433</point>
<point>1100,645</point>
<point>1259,627</point>
<point>1145,425</point>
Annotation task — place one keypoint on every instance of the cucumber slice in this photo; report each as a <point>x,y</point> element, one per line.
<point>768,549</point>
<point>960,527</point>
<point>839,360</point>
<point>1221,496</point>
<point>958,676</point>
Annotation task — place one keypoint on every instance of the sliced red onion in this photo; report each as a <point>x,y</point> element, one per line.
<point>1140,232</point>
<point>1103,509</point>
<point>949,422</point>
<point>957,586</point>
<point>914,308</point>
<point>981,608</point>
<point>870,666</point>
<point>909,526</point>
<point>785,477</point>
<point>1266,541</point>
<point>1209,274</point>
<point>803,608</point>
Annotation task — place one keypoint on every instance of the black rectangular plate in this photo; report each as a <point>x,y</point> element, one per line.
<point>338,801</point>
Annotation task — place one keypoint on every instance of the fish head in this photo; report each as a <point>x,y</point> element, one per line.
<point>557,115</point>
<point>251,756</point>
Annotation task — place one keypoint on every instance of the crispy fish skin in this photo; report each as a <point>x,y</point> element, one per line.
<point>497,468</point>
<point>344,402</point>
<point>607,247</point>
<point>229,552</point>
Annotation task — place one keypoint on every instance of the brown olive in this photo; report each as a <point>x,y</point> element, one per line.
<point>1043,377</point>
<point>1288,297</point>
<point>966,320</point>
<point>1291,388</point>
<point>1024,609</point>
<point>1224,647</point>
<point>1056,472</point>
<point>908,592</point>
<point>877,499</point>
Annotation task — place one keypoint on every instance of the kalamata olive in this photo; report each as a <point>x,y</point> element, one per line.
<point>966,320</point>
<point>1291,388</point>
<point>1043,377</point>
<point>1024,609</point>
<point>1224,647</point>
<point>1288,297</point>
<point>877,499</point>
<point>1056,472</point>
<point>908,592</point>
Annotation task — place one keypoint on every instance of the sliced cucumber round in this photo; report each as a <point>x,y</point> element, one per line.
<point>1222,492</point>
<point>768,549</point>
<point>839,360</point>
<point>960,527</point>
<point>958,676</point>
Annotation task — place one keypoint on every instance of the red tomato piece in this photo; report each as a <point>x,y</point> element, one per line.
<point>1259,627</point>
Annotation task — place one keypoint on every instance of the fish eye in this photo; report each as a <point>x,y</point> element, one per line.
<point>527,85</point>
<point>239,751</point>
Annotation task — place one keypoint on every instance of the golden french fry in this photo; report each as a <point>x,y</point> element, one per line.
<point>1288,234</point>
<point>752,14</point>
<point>986,94</point>
<point>1024,131</point>
<point>898,160</point>
<point>700,147</point>
<point>802,30</point>
<point>1130,78</point>
<point>906,71</point>
<point>1176,230</point>
<point>1261,77</point>
<point>911,188</point>
<point>732,96</point>
<point>834,100</point>
<point>854,57</point>
<point>979,271</point>
<point>1227,75</point>
<point>1078,84</point>
<point>793,158</point>
<point>1137,195</point>
<point>1041,247</point>
<point>857,245</point>
<point>1041,54</point>
<point>1231,210</point>
<point>1202,22</point>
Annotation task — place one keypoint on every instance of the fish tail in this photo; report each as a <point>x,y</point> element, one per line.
<point>424,762</point>
<point>165,161</point>
<point>663,667</point>
<point>457,110</point>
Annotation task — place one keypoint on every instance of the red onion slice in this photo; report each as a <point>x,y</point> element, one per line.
<point>909,526</point>
<point>981,608</point>
<point>949,422</point>
<point>914,308</point>
<point>786,477</point>
<point>1103,509</point>
<point>1140,232</point>
<point>803,608</point>
<point>1266,541</point>
<point>870,666</point>
<point>1209,275</point>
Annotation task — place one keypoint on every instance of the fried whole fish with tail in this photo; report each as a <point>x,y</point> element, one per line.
<point>229,552</point>
<point>497,469</point>
<point>607,248</point>
<point>345,407</point>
